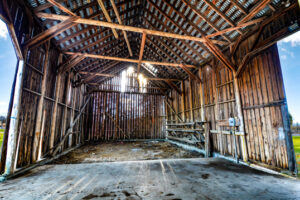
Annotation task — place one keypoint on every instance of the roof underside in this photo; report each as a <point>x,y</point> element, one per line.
<point>194,18</point>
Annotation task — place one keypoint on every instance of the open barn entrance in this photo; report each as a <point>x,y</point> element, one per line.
<point>149,99</point>
<point>8,61</point>
<point>289,49</point>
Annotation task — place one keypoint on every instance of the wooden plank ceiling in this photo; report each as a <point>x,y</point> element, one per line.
<point>177,35</point>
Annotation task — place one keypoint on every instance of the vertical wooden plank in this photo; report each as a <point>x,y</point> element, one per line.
<point>38,124</point>
<point>54,113</point>
<point>240,116</point>
<point>191,100</point>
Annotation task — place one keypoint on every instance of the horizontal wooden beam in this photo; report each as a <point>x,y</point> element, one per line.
<point>51,32</point>
<point>127,28</point>
<point>116,91</point>
<point>128,60</point>
<point>114,75</point>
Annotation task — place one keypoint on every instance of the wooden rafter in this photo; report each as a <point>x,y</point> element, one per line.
<point>141,51</point>
<point>261,5</point>
<point>120,22</point>
<point>51,32</point>
<point>101,4</point>
<point>220,13</point>
<point>61,7</point>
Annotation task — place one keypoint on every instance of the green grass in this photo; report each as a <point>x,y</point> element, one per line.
<point>1,137</point>
<point>296,141</point>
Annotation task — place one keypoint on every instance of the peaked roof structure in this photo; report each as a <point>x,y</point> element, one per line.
<point>177,36</point>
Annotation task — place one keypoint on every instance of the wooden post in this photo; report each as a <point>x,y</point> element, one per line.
<point>207,140</point>
<point>292,164</point>
<point>5,136</point>
<point>38,124</point>
<point>216,95</point>
<point>191,99</point>
<point>14,120</point>
<point>65,115</point>
<point>240,116</point>
<point>72,113</point>
<point>53,118</point>
<point>202,110</point>
<point>201,88</point>
<point>183,101</point>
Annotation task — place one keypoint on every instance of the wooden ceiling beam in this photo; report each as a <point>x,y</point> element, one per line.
<point>221,14</point>
<point>242,25</point>
<point>101,4</point>
<point>261,5</point>
<point>173,42</point>
<point>78,33</point>
<point>182,66</point>
<point>160,57</point>
<point>46,5</point>
<point>72,63</point>
<point>127,60</point>
<point>103,51</point>
<point>112,75</point>
<point>204,17</point>
<point>51,32</point>
<point>176,23</point>
<point>219,55</point>
<point>61,7</point>
<point>142,46</point>
<point>127,28</point>
<point>120,22</point>
<point>239,6</point>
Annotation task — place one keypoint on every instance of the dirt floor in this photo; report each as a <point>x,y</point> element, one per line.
<point>93,177</point>
<point>125,151</point>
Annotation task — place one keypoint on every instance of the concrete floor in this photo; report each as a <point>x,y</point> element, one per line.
<point>189,178</point>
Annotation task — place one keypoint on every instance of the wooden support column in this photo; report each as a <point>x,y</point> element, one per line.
<point>117,114</point>
<point>216,95</point>
<point>191,99</point>
<point>240,116</point>
<point>73,98</point>
<point>201,92</point>
<point>203,119</point>
<point>54,113</point>
<point>183,101</point>
<point>38,123</point>
<point>14,121</point>
<point>65,115</point>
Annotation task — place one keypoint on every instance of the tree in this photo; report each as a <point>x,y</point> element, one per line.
<point>291,120</point>
<point>2,119</point>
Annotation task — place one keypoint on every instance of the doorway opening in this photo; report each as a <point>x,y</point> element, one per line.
<point>8,60</point>
<point>289,51</point>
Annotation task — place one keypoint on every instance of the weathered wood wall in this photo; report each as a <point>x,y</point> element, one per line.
<point>131,114</point>
<point>263,101</point>
<point>41,127</point>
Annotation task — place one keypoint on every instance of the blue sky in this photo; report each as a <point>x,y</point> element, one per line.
<point>8,62</point>
<point>289,51</point>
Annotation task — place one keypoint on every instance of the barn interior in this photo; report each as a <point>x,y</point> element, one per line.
<point>154,99</point>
